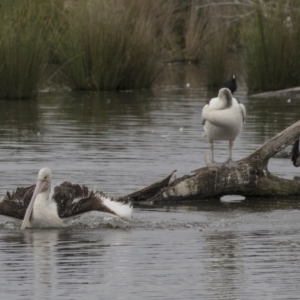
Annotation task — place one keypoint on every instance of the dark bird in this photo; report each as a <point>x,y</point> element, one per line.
<point>296,154</point>
<point>230,84</point>
<point>37,209</point>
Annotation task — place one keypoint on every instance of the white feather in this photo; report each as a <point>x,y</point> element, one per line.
<point>123,210</point>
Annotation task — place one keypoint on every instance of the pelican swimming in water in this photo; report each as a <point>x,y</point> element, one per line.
<point>296,154</point>
<point>34,206</point>
<point>223,118</point>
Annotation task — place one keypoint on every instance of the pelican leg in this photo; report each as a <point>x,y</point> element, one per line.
<point>211,147</point>
<point>230,163</point>
<point>230,150</point>
<point>210,162</point>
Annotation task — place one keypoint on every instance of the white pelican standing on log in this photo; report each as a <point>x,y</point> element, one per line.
<point>223,118</point>
<point>67,200</point>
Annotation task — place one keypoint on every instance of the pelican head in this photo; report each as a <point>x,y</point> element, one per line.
<point>43,185</point>
<point>226,97</point>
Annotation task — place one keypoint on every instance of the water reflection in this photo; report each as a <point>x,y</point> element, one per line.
<point>249,205</point>
<point>104,108</point>
<point>19,119</point>
<point>44,264</point>
<point>222,259</point>
<point>269,116</point>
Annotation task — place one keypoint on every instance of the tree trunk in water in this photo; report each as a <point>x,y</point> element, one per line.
<point>250,179</point>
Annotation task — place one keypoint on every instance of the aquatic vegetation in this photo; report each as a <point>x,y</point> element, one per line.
<point>216,55</point>
<point>209,38</point>
<point>271,41</point>
<point>22,49</point>
<point>194,33</point>
<point>108,45</point>
<point>123,44</point>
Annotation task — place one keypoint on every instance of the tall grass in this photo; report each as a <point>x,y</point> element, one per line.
<point>120,44</point>
<point>219,42</point>
<point>108,45</point>
<point>216,55</point>
<point>22,49</point>
<point>272,40</point>
<point>197,24</point>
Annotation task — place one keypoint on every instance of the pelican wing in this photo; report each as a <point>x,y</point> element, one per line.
<point>243,111</point>
<point>15,204</point>
<point>203,110</point>
<point>74,199</point>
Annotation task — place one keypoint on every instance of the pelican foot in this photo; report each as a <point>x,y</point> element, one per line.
<point>231,164</point>
<point>210,163</point>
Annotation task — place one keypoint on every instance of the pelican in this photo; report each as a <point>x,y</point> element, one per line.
<point>296,154</point>
<point>223,118</point>
<point>34,206</point>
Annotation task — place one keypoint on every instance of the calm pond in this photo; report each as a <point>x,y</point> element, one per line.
<point>118,143</point>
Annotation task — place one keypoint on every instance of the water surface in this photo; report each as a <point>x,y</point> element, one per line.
<point>118,143</point>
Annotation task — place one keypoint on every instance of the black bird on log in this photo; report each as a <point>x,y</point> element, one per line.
<point>230,84</point>
<point>296,154</point>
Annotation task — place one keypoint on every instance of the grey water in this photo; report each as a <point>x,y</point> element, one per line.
<point>121,142</point>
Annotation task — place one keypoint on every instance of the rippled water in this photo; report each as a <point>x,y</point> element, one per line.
<point>120,142</point>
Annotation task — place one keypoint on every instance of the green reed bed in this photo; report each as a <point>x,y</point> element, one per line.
<point>196,31</point>
<point>22,49</point>
<point>108,45</point>
<point>219,42</point>
<point>272,40</point>
<point>120,44</point>
<point>215,58</point>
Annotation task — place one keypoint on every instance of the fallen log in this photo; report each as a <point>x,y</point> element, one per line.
<point>291,92</point>
<point>149,191</point>
<point>251,179</point>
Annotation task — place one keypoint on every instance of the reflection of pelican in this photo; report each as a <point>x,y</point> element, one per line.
<point>223,119</point>
<point>68,200</point>
<point>296,154</point>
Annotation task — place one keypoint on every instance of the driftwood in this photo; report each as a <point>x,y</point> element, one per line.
<point>149,191</point>
<point>291,92</point>
<point>250,179</point>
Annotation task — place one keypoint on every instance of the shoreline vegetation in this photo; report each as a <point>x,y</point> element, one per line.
<point>124,44</point>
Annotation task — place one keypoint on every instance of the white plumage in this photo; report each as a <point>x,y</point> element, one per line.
<point>223,118</point>
<point>43,212</point>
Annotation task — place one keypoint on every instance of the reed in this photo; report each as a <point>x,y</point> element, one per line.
<point>108,45</point>
<point>272,40</point>
<point>120,44</point>
<point>22,49</point>
<point>165,15</point>
<point>217,46</point>
<point>196,33</point>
